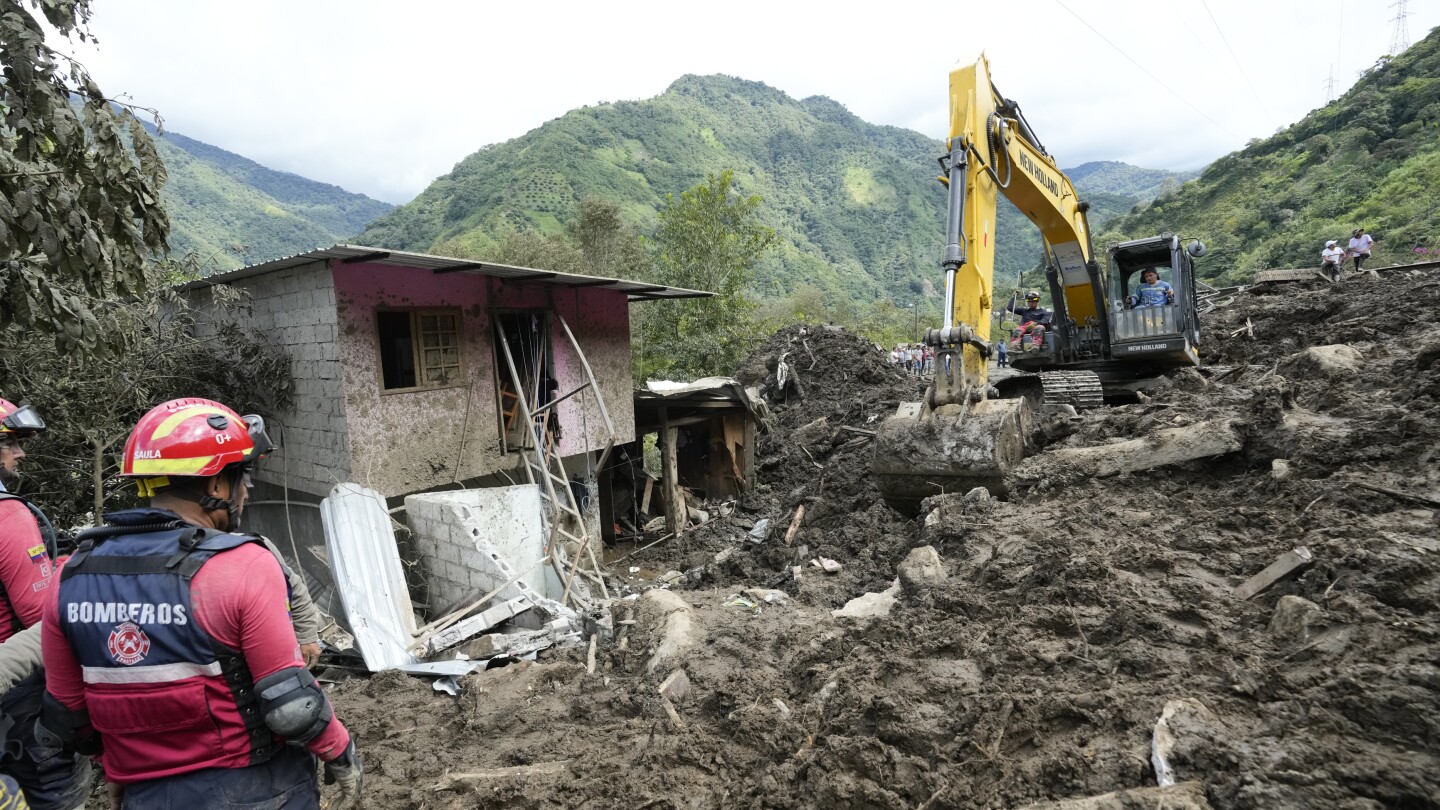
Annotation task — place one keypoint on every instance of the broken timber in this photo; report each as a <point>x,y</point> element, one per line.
<point>1288,564</point>
<point>1158,449</point>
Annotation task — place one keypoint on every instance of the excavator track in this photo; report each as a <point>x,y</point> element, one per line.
<point>1081,389</point>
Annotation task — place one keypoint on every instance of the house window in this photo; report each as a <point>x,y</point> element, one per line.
<point>419,349</point>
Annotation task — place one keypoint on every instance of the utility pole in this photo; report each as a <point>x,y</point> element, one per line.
<point>1400,36</point>
<point>1330,86</point>
<point>917,321</point>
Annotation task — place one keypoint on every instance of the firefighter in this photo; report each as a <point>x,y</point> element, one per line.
<point>168,646</point>
<point>26,537</point>
<point>51,780</point>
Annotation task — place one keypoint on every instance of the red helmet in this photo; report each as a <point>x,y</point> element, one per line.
<point>18,421</point>
<point>192,437</point>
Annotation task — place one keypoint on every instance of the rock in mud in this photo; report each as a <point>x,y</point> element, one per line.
<point>1294,618</point>
<point>813,436</point>
<point>1185,728</point>
<point>921,569</point>
<point>1184,796</point>
<point>869,605</point>
<point>1337,361</point>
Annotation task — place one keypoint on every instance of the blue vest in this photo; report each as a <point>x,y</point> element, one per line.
<point>126,609</point>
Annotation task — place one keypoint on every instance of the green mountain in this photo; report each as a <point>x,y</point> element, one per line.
<point>231,210</point>
<point>1370,158</point>
<point>1114,177</point>
<point>856,205</point>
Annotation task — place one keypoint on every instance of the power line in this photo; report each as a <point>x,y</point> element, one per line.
<point>1236,60</point>
<point>1152,76</point>
<point>1400,37</point>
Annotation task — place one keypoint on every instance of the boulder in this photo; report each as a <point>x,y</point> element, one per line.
<point>869,605</point>
<point>921,569</point>
<point>669,620</point>
<point>1331,362</point>
<point>1295,619</point>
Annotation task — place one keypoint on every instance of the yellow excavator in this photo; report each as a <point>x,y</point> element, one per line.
<point>1107,336</point>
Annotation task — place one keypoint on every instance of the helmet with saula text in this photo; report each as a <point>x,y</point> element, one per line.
<point>191,437</point>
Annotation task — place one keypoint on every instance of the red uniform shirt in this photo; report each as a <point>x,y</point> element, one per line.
<point>24,568</point>
<point>240,599</point>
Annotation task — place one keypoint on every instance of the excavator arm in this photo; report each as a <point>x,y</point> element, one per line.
<point>992,152</point>
<point>960,436</point>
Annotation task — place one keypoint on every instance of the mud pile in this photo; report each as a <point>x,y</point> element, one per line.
<point>1033,662</point>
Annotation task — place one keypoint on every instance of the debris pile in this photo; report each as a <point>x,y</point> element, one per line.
<point>1077,645</point>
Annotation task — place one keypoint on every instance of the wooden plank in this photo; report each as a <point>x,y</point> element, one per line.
<point>1289,563</point>
<point>674,500</point>
<point>649,488</point>
<point>795,524</point>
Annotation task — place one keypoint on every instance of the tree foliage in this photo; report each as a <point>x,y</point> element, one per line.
<point>90,401</point>
<point>1370,158</point>
<point>709,238</point>
<point>79,188</point>
<point>610,246</point>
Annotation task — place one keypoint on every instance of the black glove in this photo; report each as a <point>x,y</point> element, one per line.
<point>345,771</point>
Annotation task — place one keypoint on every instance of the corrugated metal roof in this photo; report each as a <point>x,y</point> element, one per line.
<point>356,254</point>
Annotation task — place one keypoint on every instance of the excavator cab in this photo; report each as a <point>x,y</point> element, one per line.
<point>1146,327</point>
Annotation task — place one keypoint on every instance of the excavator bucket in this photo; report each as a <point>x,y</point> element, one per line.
<point>955,448</point>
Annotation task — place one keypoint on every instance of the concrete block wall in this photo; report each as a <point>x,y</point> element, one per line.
<point>473,541</point>
<point>295,308</point>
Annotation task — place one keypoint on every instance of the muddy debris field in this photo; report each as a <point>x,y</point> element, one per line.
<point>1020,652</point>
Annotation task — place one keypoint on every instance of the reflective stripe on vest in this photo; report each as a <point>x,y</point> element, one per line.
<point>160,673</point>
<point>165,695</point>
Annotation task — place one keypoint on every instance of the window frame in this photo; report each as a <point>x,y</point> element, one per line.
<point>417,350</point>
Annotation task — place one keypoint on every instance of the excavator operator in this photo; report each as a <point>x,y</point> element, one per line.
<point>1152,292</point>
<point>1033,318</point>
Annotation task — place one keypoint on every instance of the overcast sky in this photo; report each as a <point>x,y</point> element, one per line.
<point>383,97</point>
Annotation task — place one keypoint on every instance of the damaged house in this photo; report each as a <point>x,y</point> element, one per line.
<point>422,374</point>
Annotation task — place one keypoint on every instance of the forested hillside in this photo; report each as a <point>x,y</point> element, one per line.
<point>231,210</point>
<point>856,206</point>
<point>1371,158</point>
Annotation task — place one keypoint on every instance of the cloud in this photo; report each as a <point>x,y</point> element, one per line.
<point>382,98</point>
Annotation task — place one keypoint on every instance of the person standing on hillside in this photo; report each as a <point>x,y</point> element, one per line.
<point>1331,258</point>
<point>1360,243</point>
<point>50,780</point>
<point>168,642</point>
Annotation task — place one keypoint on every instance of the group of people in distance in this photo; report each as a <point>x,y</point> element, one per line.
<point>915,358</point>
<point>1333,257</point>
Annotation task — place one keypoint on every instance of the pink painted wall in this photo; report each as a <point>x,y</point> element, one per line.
<point>406,441</point>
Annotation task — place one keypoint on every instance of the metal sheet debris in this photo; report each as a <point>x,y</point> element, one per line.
<point>370,580</point>
<point>365,564</point>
